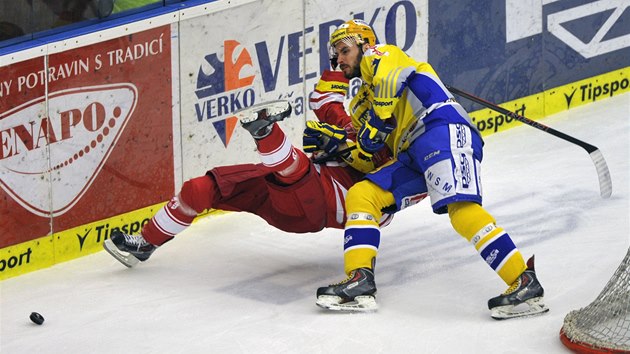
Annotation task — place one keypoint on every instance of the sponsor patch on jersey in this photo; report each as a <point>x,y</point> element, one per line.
<point>466,173</point>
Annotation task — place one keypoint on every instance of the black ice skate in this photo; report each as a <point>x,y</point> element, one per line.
<point>523,298</point>
<point>356,293</point>
<point>128,249</point>
<point>258,119</point>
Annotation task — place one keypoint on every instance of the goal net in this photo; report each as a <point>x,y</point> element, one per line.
<point>604,325</point>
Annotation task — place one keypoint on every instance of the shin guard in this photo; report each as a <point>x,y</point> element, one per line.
<point>166,223</point>
<point>195,196</point>
<point>362,237</point>
<point>364,203</point>
<point>494,245</point>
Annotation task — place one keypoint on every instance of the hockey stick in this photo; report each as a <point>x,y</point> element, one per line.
<point>605,182</point>
<point>330,157</point>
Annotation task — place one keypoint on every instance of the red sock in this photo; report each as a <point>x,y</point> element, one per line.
<point>299,171</point>
<point>277,153</point>
<point>166,223</point>
<point>275,150</point>
<point>195,196</point>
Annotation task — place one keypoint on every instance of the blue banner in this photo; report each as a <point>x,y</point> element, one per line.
<point>505,49</point>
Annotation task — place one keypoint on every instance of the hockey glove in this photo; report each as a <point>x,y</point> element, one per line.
<point>323,137</point>
<point>372,135</point>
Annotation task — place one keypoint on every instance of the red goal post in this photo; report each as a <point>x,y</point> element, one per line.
<point>604,325</point>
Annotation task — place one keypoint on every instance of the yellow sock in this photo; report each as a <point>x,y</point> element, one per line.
<point>494,245</point>
<point>358,258</point>
<point>362,234</point>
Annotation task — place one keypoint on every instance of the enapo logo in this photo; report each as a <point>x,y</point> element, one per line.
<point>224,87</point>
<point>67,147</point>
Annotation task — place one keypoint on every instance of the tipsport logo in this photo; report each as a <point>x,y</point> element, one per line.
<point>224,87</point>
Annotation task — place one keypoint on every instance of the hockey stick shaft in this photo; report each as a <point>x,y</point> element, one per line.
<point>334,155</point>
<point>588,147</point>
<point>605,182</point>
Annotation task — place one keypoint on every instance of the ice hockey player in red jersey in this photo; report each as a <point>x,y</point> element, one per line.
<point>286,189</point>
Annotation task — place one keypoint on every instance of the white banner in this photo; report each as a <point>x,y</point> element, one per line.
<point>269,50</point>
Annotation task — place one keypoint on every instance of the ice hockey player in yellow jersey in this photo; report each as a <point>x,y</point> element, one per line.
<point>403,106</point>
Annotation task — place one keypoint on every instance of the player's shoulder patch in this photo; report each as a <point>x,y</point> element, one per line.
<point>378,50</point>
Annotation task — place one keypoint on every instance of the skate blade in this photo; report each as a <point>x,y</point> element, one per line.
<point>127,259</point>
<point>360,303</point>
<point>265,110</point>
<point>531,307</point>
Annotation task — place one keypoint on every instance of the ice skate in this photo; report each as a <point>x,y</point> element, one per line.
<point>355,294</point>
<point>258,119</point>
<point>128,249</point>
<point>523,298</point>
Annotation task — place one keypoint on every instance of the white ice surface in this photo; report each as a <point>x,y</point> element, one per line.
<point>233,284</point>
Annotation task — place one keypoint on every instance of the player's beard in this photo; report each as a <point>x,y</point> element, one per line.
<point>356,67</point>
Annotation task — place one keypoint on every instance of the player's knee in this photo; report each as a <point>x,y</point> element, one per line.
<point>368,197</point>
<point>196,194</point>
<point>296,170</point>
<point>468,218</point>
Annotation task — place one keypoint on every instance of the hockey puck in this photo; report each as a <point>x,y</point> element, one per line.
<point>37,318</point>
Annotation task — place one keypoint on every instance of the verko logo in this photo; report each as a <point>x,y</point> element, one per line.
<point>56,156</point>
<point>224,87</point>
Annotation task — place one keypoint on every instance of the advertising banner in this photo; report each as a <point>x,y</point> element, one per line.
<point>268,50</point>
<point>97,135</point>
<point>503,50</point>
<point>230,61</point>
<point>85,134</point>
<point>22,140</point>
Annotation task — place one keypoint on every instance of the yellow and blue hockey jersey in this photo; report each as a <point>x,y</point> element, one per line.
<point>395,85</point>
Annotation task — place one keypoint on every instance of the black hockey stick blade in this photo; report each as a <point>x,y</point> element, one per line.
<point>605,182</point>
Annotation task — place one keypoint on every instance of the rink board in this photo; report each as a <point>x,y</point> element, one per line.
<point>137,109</point>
